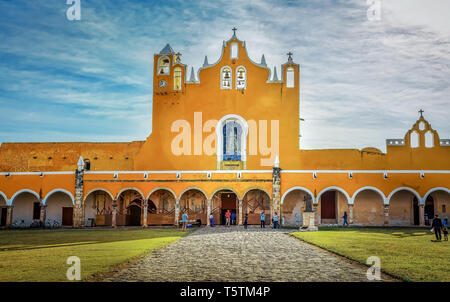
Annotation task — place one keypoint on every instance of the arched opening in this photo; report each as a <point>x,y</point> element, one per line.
<point>332,205</point>
<point>222,201</point>
<point>177,79</point>
<point>232,136</point>
<point>368,208</point>
<point>290,82</point>
<point>414,139</point>
<point>59,209</point>
<point>253,203</point>
<point>163,66</point>
<point>428,210</point>
<point>27,208</point>
<point>440,199</point>
<point>429,139</point>
<point>98,208</point>
<point>129,208</point>
<point>241,77</point>
<point>3,211</point>
<point>226,78</point>
<point>193,202</point>
<point>292,207</point>
<point>161,208</point>
<point>401,208</point>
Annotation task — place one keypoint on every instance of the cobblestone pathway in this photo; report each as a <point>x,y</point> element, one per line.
<point>233,254</point>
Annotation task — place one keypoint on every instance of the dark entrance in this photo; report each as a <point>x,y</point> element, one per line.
<point>228,203</point>
<point>3,216</point>
<point>134,215</point>
<point>67,216</point>
<point>328,205</point>
<point>416,211</point>
<point>429,210</point>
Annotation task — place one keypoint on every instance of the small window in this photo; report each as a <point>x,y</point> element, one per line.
<point>290,78</point>
<point>241,78</point>
<point>429,139</point>
<point>87,164</point>
<point>422,126</point>
<point>177,78</point>
<point>163,66</point>
<point>36,210</point>
<point>234,50</point>
<point>226,78</point>
<point>414,139</point>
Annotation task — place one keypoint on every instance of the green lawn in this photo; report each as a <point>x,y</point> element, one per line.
<point>41,255</point>
<point>407,253</point>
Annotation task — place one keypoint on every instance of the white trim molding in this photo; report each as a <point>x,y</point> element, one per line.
<point>44,202</point>
<point>219,134</point>
<point>98,189</point>
<point>225,188</point>
<point>434,190</point>
<point>299,189</point>
<point>349,199</point>
<point>193,188</point>
<point>5,198</point>
<point>130,189</point>
<point>24,191</point>
<point>419,199</point>
<point>369,188</point>
<point>162,189</point>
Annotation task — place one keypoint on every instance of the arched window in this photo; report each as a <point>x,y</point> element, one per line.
<point>177,78</point>
<point>226,78</point>
<point>414,139</point>
<point>241,78</point>
<point>429,139</point>
<point>232,133</point>
<point>234,50</point>
<point>163,66</point>
<point>290,83</point>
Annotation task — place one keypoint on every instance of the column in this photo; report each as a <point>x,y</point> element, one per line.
<point>317,216</point>
<point>276,188</point>
<point>43,214</point>
<point>208,212</point>
<point>114,214</point>
<point>422,215</point>
<point>177,213</point>
<point>9,213</point>
<point>78,210</point>
<point>386,214</point>
<point>145,224</point>
<point>350,214</point>
<point>240,212</point>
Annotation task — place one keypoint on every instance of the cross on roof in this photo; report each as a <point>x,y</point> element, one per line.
<point>421,112</point>
<point>290,55</point>
<point>234,31</point>
<point>178,54</point>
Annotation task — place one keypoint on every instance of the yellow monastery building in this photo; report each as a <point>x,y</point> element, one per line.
<point>225,138</point>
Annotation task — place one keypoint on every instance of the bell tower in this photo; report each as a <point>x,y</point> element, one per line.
<point>168,72</point>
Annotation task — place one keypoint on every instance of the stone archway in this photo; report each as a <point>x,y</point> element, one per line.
<point>59,208</point>
<point>98,208</point>
<point>254,202</point>
<point>401,207</point>
<point>221,201</point>
<point>292,207</point>
<point>129,210</point>
<point>368,208</point>
<point>194,203</point>
<point>163,212</point>
<point>332,204</point>
<point>27,207</point>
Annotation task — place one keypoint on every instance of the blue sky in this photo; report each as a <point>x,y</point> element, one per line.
<point>91,80</point>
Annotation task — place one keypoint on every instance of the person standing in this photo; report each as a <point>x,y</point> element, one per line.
<point>275,221</point>
<point>263,219</point>
<point>227,218</point>
<point>211,220</point>
<point>345,219</point>
<point>184,220</point>
<point>245,220</point>
<point>437,226</point>
<point>233,218</point>
<point>445,228</point>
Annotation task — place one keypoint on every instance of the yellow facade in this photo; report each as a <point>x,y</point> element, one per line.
<point>188,154</point>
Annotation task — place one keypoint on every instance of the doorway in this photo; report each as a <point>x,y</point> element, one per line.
<point>67,216</point>
<point>328,206</point>
<point>134,215</point>
<point>429,210</point>
<point>3,216</point>
<point>229,201</point>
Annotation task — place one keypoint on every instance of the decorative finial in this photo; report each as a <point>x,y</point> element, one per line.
<point>290,56</point>
<point>178,57</point>
<point>276,163</point>
<point>263,61</point>
<point>192,80</point>
<point>421,111</point>
<point>205,63</point>
<point>275,76</point>
<point>234,31</point>
<point>80,164</point>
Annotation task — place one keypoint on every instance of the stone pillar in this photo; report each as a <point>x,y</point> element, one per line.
<point>276,189</point>
<point>316,215</point>
<point>145,209</point>
<point>350,214</point>
<point>177,213</point>
<point>114,214</point>
<point>386,214</point>
<point>240,220</point>
<point>422,215</point>
<point>78,213</point>
<point>9,213</point>
<point>43,214</point>
<point>208,212</point>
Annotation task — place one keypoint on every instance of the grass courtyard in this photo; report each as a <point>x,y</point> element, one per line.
<point>407,253</point>
<point>41,255</point>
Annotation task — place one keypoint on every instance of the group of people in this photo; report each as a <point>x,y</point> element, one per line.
<point>439,226</point>
<point>230,219</point>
